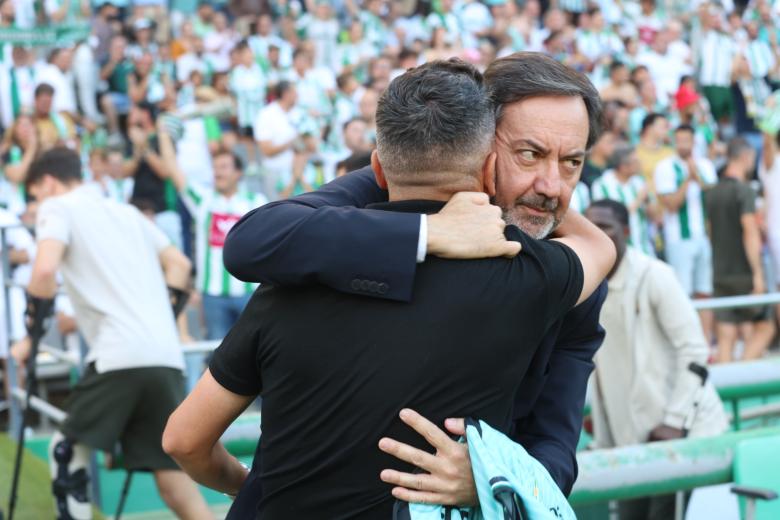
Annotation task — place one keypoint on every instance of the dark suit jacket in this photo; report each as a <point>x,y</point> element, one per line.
<point>323,237</point>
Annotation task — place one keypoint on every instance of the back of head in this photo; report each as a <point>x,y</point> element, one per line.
<point>736,147</point>
<point>525,75</point>
<point>435,125</point>
<point>61,163</point>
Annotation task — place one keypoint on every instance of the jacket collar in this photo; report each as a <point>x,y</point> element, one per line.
<point>410,206</point>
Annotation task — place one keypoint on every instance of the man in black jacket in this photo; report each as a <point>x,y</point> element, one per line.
<point>324,237</point>
<point>332,388</point>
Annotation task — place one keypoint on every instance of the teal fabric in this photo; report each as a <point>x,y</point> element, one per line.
<point>509,482</point>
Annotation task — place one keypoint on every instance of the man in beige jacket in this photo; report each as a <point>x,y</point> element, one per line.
<point>643,388</point>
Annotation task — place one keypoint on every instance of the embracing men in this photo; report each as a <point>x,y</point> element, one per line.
<point>334,369</point>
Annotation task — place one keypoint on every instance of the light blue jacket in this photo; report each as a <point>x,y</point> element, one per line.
<point>511,484</point>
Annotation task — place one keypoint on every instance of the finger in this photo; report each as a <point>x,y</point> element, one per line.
<point>416,481</point>
<point>406,453</point>
<point>511,249</point>
<point>455,426</point>
<point>432,433</point>
<point>419,497</point>
<point>480,199</point>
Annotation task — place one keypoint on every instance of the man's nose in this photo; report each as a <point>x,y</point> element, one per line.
<point>548,181</point>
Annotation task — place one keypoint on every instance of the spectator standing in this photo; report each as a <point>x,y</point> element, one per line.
<point>716,54</point>
<point>53,127</point>
<point>680,181</point>
<point>737,265</point>
<point>769,173</point>
<point>276,135</point>
<point>215,211</point>
<point>652,147</point>
<point>624,183</point>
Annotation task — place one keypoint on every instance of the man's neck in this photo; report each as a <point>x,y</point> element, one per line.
<point>649,142</point>
<point>400,193</point>
<point>229,192</point>
<point>623,177</point>
<point>733,172</point>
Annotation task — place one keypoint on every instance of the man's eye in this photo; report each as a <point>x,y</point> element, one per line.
<point>573,163</point>
<point>528,155</point>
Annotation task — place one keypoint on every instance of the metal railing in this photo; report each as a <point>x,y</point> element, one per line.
<point>736,302</point>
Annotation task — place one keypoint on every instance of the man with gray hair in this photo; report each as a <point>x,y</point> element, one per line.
<point>333,389</point>
<point>549,116</point>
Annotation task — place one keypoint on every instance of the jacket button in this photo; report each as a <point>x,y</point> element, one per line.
<point>355,284</point>
<point>383,288</point>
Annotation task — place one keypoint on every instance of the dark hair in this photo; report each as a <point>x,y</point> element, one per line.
<point>685,128</point>
<point>343,79</point>
<point>615,65</point>
<point>61,163</point>
<point>240,46</point>
<point>531,74</point>
<point>618,210</point>
<point>736,147</point>
<point>350,121</point>
<point>149,108</point>
<point>650,120</point>
<point>44,89</point>
<point>238,164</point>
<point>281,88</point>
<point>407,53</point>
<point>435,118</point>
<point>355,161</point>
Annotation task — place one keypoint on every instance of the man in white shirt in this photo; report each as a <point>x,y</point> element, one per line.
<point>276,135</point>
<point>58,74</point>
<point>665,68</point>
<point>680,181</point>
<point>115,266</point>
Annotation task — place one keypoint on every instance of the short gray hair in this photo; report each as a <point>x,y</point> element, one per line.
<point>435,118</point>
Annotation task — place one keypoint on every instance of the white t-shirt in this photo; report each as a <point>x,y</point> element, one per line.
<point>17,237</point>
<point>64,89</point>
<point>112,274</point>
<point>688,221</point>
<point>274,124</point>
<point>771,181</point>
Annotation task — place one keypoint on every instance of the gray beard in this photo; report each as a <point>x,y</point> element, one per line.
<point>533,226</point>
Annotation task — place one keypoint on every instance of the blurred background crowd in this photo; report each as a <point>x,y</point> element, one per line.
<point>265,99</point>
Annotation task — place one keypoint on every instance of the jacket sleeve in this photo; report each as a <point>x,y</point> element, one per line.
<point>551,429</point>
<point>678,319</point>
<point>323,237</point>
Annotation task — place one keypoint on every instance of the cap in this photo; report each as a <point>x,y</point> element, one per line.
<point>685,97</point>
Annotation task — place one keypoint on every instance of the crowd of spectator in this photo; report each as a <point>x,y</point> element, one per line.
<point>196,112</point>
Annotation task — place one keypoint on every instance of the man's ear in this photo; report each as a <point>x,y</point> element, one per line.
<point>489,174</point>
<point>379,174</point>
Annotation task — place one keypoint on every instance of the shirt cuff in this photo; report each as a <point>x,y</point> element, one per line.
<point>422,241</point>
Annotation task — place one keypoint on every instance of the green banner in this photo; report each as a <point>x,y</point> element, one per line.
<point>59,35</point>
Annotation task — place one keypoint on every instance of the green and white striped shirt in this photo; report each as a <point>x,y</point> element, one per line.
<point>214,215</point>
<point>249,86</point>
<point>688,222</point>
<point>610,187</point>
<point>580,198</point>
<point>716,54</point>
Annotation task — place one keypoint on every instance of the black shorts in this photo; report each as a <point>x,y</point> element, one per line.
<point>738,287</point>
<point>129,407</point>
